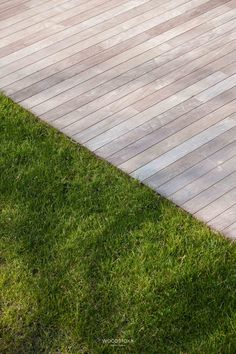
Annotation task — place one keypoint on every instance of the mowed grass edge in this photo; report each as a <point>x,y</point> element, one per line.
<point>94,262</point>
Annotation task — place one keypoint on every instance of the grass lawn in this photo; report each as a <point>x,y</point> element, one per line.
<point>91,259</point>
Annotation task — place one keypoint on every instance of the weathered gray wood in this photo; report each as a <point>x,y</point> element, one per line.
<point>104,85</point>
<point>224,220</point>
<point>168,35</point>
<point>211,194</point>
<point>217,207</point>
<point>167,94</point>
<point>121,99</point>
<point>99,24</point>
<point>160,128</point>
<point>181,150</point>
<point>192,174</point>
<point>141,80</point>
<point>71,103</point>
<point>33,15</point>
<point>126,97</point>
<point>203,183</point>
<point>231,231</point>
<point>134,62</point>
<point>151,153</point>
<point>54,44</point>
<point>95,6</point>
<point>190,160</point>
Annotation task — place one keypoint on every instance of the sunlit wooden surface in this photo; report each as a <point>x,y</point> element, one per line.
<point>148,85</point>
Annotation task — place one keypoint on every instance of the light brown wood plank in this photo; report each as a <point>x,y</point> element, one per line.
<point>118,76</point>
<point>101,23</point>
<point>130,94</point>
<point>151,153</point>
<point>20,74</point>
<point>213,193</point>
<point>32,16</point>
<point>217,207</point>
<point>202,184</point>
<point>103,44</point>
<point>162,127</point>
<point>166,98</point>
<point>55,82</point>
<point>71,102</point>
<point>181,150</point>
<point>93,5</point>
<point>190,160</point>
<point>6,5</point>
<point>86,28</point>
<point>224,220</point>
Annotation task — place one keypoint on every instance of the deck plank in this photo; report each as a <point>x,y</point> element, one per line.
<point>48,64</point>
<point>166,158</point>
<point>213,193</point>
<point>155,150</point>
<point>222,170</point>
<point>190,160</point>
<point>97,111</point>
<point>108,81</point>
<point>99,24</point>
<point>87,10</point>
<point>224,220</point>
<point>217,207</point>
<point>172,120</point>
<point>148,85</point>
<point>196,172</point>
<point>165,89</point>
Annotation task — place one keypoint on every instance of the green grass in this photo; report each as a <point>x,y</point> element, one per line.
<point>89,255</point>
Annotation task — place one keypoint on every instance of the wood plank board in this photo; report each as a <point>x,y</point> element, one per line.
<point>148,85</point>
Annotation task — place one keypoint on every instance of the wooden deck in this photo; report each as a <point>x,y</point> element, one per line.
<point>149,85</point>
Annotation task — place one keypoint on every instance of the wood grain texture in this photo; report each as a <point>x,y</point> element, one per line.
<point>148,85</point>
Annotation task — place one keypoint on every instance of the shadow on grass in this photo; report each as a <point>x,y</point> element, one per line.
<point>92,286</point>
<point>158,310</point>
